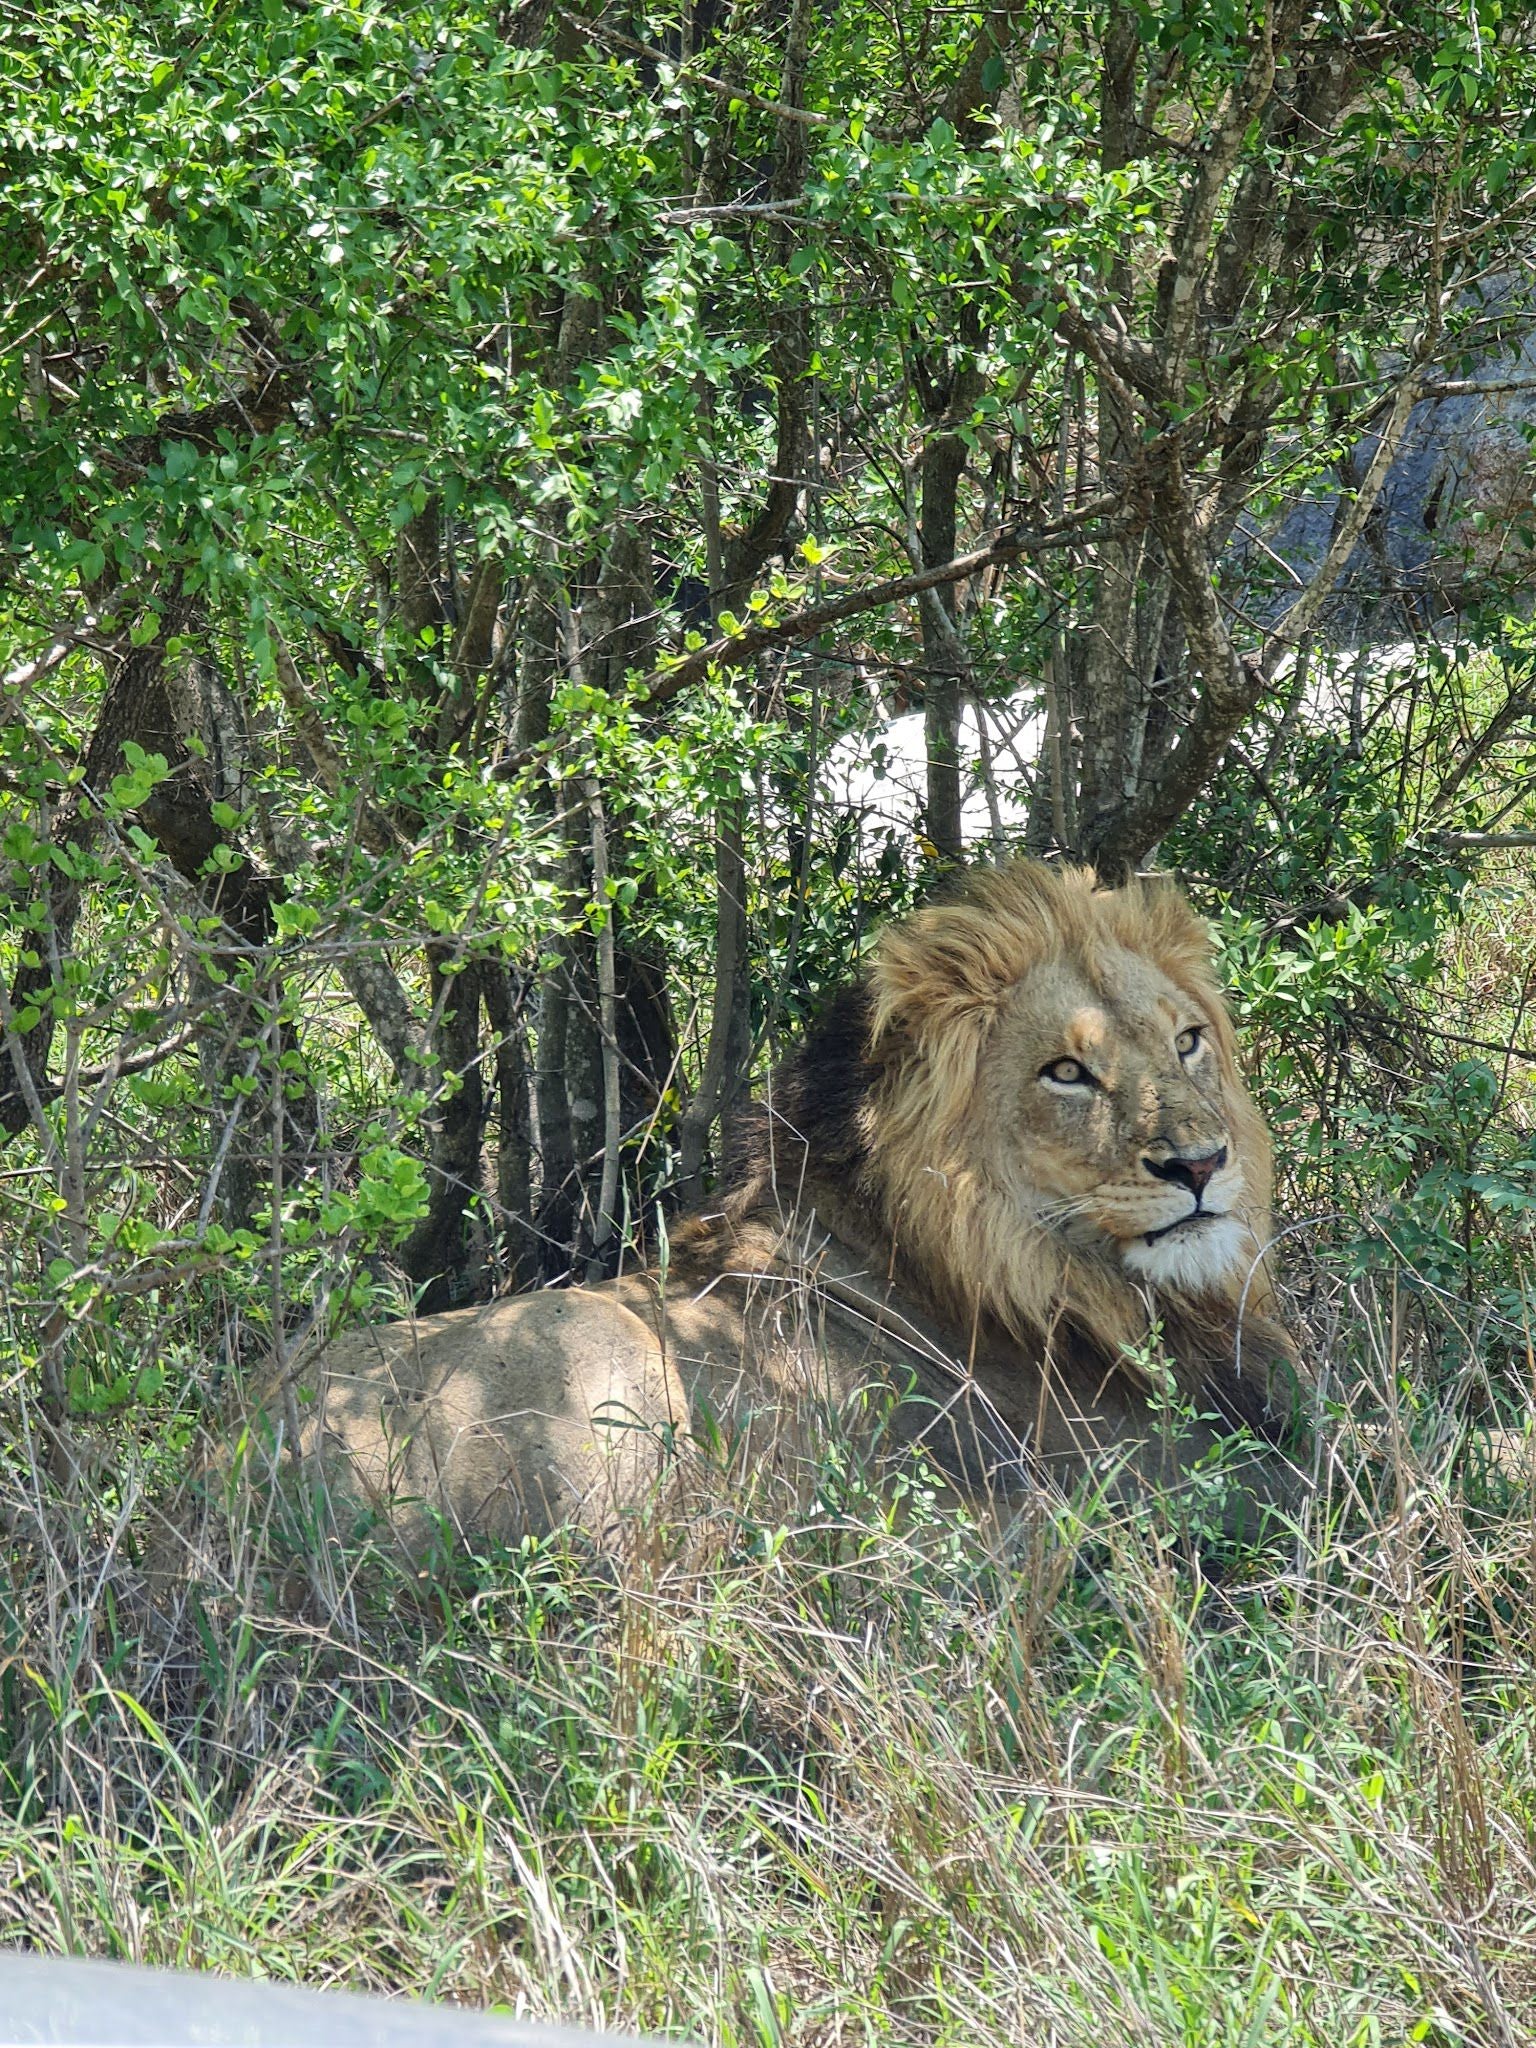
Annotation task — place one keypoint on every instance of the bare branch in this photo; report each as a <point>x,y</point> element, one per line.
<point>120,1069</point>
<point>743,209</point>
<point>63,644</point>
<point>727,651</point>
<point>1297,621</point>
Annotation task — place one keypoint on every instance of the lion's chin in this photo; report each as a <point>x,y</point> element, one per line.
<point>1203,1252</point>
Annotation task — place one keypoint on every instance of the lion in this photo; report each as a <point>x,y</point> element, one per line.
<point>1013,1176</point>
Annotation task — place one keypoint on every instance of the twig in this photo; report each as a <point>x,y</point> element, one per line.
<point>118,1070</point>
<point>741,209</point>
<point>1478,841</point>
<point>663,684</point>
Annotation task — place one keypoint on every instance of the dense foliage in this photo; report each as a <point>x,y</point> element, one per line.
<point>463,471</point>
<point>479,483</point>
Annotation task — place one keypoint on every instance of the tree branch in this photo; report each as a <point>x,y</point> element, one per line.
<point>1196,230</point>
<point>1298,620</point>
<point>729,650</point>
<point>1231,684</point>
<point>373,827</point>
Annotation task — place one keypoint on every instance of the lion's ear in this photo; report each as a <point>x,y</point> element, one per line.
<point>939,976</point>
<point>1162,923</point>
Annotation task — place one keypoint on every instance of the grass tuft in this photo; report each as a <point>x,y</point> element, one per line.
<point>818,1756</point>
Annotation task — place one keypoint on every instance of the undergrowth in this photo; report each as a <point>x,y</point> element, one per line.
<point>809,1758</point>
<point>811,1754</point>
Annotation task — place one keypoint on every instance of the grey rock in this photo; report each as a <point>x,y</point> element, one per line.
<point>1453,521</point>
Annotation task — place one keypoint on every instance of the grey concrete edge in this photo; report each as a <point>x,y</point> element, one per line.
<point>67,2002</point>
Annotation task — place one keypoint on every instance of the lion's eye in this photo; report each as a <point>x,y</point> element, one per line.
<point>1070,1073</point>
<point>1187,1044</point>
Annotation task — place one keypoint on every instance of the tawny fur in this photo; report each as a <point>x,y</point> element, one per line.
<point>936,1001</point>
<point>926,1191</point>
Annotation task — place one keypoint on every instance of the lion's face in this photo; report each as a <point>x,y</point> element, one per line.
<point>1106,1098</point>
<point>1059,1088</point>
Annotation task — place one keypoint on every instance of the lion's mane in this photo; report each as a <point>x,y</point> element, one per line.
<point>873,1122</point>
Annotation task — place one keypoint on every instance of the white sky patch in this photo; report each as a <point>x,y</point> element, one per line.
<point>881,776</point>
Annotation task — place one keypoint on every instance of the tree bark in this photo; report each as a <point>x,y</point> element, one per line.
<point>947,398</point>
<point>728,1052</point>
<point>503,993</point>
<point>433,1253</point>
<point>605,1228</point>
<point>555,1220</point>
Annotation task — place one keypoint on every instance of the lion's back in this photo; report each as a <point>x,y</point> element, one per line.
<point>504,1420</point>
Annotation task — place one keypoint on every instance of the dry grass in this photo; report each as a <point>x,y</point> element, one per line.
<point>820,1759</point>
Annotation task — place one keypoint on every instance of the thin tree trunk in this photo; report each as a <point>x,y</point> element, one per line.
<point>503,998</point>
<point>434,1253</point>
<point>606,1223</point>
<point>725,1055</point>
<point>557,1149</point>
<point>945,667</point>
<point>730,1040</point>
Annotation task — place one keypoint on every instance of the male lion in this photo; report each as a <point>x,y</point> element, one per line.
<point>1014,1170</point>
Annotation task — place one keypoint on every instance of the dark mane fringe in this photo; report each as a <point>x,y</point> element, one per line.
<point>811,1120</point>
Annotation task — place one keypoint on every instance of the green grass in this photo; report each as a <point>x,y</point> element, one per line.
<point>817,1761</point>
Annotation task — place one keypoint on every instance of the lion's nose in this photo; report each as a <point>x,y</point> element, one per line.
<point>1188,1173</point>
